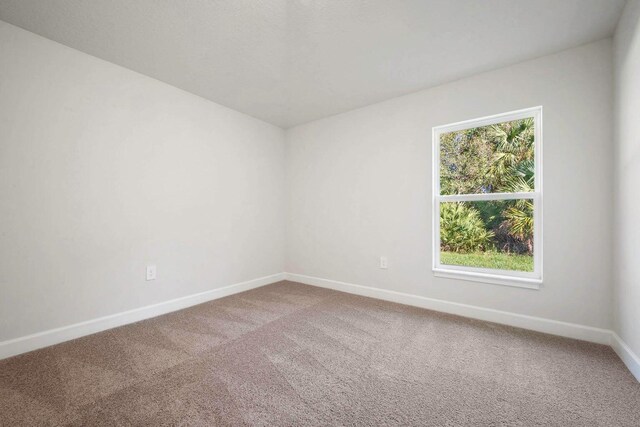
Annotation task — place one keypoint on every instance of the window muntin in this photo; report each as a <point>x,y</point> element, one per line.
<point>488,198</point>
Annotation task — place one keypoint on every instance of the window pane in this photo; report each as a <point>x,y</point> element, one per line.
<point>488,159</point>
<point>488,234</point>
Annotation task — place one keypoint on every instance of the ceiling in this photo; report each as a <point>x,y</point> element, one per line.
<point>292,61</point>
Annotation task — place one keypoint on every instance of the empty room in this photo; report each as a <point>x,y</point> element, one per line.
<point>319,212</point>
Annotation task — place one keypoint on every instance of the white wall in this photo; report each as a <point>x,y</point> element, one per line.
<point>103,170</point>
<point>360,186</point>
<point>627,177</point>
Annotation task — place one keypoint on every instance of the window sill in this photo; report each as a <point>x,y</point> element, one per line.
<point>495,279</point>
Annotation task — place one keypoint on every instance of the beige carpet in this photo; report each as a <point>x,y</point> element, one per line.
<point>290,354</point>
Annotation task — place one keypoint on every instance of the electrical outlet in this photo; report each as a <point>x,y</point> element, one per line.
<point>151,272</point>
<point>384,262</point>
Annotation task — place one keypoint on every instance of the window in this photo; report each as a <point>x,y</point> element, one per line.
<point>487,199</point>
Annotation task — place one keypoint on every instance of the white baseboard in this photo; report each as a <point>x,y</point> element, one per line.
<point>539,324</point>
<point>626,354</point>
<point>55,336</point>
<point>554,327</point>
<point>570,330</point>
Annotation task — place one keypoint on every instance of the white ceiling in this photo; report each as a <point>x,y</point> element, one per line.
<point>292,61</point>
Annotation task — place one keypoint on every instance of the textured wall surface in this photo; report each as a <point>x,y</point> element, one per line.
<point>360,187</point>
<point>627,176</point>
<point>103,170</point>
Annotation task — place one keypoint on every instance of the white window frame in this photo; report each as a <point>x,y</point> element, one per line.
<point>531,280</point>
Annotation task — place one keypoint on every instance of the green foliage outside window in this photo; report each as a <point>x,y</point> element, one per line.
<point>490,159</point>
<point>462,229</point>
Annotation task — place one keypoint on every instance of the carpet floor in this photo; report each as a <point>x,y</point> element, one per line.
<point>291,354</point>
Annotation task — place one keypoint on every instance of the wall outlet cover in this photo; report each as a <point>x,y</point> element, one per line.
<point>151,272</point>
<point>384,263</point>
